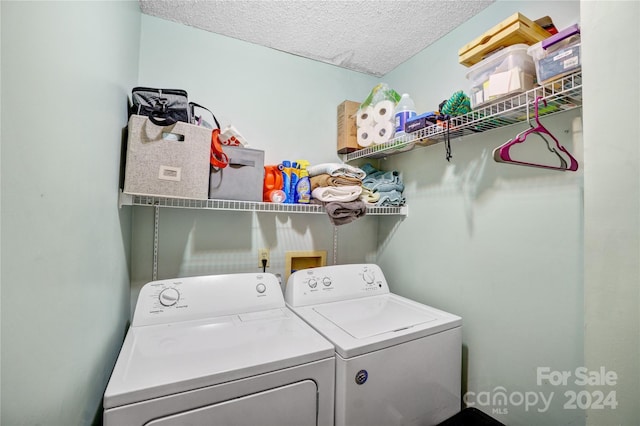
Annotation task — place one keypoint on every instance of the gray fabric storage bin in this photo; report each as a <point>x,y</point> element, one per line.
<point>243,177</point>
<point>169,161</point>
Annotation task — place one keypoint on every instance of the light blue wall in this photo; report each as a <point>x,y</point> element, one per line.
<point>0,218</point>
<point>502,249</point>
<point>282,104</point>
<point>66,70</point>
<point>541,277</point>
<point>612,203</point>
<point>500,245</point>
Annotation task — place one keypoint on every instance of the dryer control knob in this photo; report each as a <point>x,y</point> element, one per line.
<point>261,288</point>
<point>368,276</point>
<point>326,281</point>
<point>313,283</point>
<point>169,296</point>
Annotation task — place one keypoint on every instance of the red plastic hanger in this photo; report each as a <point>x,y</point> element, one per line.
<point>501,153</point>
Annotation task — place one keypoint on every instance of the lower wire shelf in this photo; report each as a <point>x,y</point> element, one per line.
<point>253,206</point>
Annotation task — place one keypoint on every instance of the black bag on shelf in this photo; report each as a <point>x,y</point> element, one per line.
<point>164,107</point>
<point>198,120</point>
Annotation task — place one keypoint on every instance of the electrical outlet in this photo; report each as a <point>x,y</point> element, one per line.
<point>263,254</point>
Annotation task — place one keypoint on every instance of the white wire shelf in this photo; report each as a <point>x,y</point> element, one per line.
<point>562,94</point>
<point>253,206</point>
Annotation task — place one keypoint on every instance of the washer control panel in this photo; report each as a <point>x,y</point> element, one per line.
<point>191,298</point>
<point>169,296</point>
<point>332,283</point>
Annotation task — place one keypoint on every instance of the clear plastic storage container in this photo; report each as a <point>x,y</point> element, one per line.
<point>558,55</point>
<point>507,72</point>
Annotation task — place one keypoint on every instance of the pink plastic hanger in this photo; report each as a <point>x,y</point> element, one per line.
<point>501,153</point>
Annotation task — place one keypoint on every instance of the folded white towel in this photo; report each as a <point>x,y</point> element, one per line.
<point>336,169</point>
<point>337,193</point>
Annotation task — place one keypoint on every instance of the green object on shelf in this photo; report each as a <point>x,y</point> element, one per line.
<point>457,104</point>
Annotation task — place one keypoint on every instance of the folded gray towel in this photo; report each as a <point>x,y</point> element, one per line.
<point>391,198</point>
<point>343,212</point>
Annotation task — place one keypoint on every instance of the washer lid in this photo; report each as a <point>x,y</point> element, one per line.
<point>373,316</point>
<point>359,326</point>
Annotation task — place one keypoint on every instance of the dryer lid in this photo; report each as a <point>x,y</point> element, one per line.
<point>165,359</point>
<point>373,316</point>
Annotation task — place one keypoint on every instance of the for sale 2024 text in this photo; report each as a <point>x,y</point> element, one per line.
<point>582,376</point>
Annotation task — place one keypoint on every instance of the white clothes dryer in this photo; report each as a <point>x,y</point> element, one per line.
<point>220,350</point>
<point>398,362</point>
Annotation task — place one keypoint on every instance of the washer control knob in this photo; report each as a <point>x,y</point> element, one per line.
<point>169,296</point>
<point>326,281</point>
<point>261,288</point>
<point>313,282</point>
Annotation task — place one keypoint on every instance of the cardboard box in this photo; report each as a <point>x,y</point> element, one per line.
<point>517,29</point>
<point>347,131</point>
<point>243,177</point>
<point>168,161</point>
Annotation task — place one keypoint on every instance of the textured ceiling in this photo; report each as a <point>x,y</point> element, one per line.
<point>372,36</point>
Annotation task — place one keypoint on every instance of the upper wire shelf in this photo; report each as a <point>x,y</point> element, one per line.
<point>254,206</point>
<point>562,94</point>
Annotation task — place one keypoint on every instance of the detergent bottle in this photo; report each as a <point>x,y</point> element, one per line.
<point>303,188</point>
<point>295,176</point>
<point>285,167</point>
<point>272,185</point>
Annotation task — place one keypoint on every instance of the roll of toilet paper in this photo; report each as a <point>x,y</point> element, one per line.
<point>383,132</point>
<point>383,111</point>
<point>365,117</point>
<point>365,135</point>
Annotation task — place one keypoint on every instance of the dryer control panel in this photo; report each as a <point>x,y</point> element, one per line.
<point>192,298</point>
<point>332,283</point>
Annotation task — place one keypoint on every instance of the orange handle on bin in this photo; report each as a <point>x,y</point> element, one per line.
<point>218,158</point>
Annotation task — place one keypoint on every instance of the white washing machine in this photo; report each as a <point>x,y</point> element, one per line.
<point>398,362</point>
<point>220,350</point>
